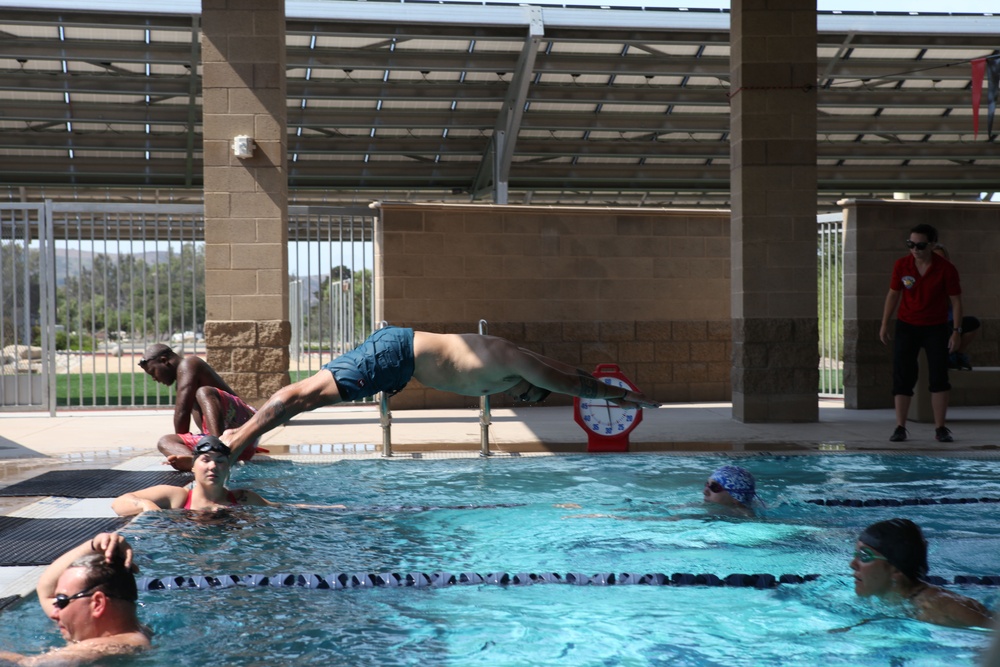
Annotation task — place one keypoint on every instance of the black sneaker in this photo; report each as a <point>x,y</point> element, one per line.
<point>899,435</point>
<point>943,434</point>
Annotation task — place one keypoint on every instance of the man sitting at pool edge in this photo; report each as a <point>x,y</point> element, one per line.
<point>466,364</point>
<point>90,592</point>
<point>202,394</point>
<point>890,562</point>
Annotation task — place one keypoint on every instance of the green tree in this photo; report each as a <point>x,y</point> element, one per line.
<point>125,293</point>
<point>341,306</point>
<point>19,292</point>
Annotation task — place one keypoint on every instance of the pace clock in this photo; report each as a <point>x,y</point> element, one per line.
<point>607,425</point>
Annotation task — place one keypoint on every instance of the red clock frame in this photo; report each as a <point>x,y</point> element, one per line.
<point>601,442</point>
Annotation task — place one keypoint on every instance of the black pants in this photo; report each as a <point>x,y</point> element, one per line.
<point>909,339</point>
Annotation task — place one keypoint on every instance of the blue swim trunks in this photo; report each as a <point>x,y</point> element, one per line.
<point>384,362</point>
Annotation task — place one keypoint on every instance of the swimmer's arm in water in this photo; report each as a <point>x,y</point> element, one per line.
<point>856,625</point>
<point>247,497</point>
<point>162,497</point>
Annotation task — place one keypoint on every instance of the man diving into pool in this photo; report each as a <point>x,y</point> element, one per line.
<point>890,562</point>
<point>466,364</point>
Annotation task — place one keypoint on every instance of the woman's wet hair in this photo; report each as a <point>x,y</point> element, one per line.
<point>113,579</point>
<point>902,543</point>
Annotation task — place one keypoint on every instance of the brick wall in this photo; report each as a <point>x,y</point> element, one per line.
<point>647,290</point>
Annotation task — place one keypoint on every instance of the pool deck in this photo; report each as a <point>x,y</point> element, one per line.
<point>30,439</point>
<point>33,443</point>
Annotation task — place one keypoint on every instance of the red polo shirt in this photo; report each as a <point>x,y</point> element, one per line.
<point>924,300</point>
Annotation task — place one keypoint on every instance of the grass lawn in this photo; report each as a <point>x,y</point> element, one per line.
<point>98,390</point>
<point>137,390</point>
<point>833,379</point>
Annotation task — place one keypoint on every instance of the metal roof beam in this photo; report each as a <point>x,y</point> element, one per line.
<point>96,51</point>
<point>92,170</point>
<point>108,84</point>
<point>484,120</point>
<point>494,168</point>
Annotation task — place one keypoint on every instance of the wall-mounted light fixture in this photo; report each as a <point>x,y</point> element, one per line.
<point>243,146</point>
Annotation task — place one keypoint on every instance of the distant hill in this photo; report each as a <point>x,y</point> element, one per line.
<point>70,262</point>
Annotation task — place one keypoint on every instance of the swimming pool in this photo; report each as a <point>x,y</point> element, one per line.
<point>637,513</point>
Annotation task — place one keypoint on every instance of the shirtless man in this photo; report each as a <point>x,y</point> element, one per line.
<point>467,364</point>
<point>90,592</point>
<point>201,393</point>
<point>890,562</point>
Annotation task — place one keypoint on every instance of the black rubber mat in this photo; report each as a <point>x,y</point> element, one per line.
<point>8,601</point>
<point>41,541</point>
<point>96,483</point>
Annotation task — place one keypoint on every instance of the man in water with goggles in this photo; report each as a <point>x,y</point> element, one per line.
<point>90,592</point>
<point>466,364</point>
<point>890,562</point>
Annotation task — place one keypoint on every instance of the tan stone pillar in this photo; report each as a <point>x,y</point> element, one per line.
<point>773,180</point>
<point>246,198</point>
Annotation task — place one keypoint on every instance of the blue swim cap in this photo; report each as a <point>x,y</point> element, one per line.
<point>737,481</point>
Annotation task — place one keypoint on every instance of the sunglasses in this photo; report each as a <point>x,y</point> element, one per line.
<point>714,486</point>
<point>143,363</point>
<point>62,600</point>
<point>919,246</point>
<point>866,555</point>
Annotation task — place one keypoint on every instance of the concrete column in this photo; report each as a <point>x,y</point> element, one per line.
<point>775,373</point>
<point>246,198</point>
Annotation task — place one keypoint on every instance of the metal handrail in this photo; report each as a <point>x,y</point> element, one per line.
<point>385,416</point>
<point>484,409</point>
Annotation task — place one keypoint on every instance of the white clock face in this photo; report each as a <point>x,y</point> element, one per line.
<point>604,418</point>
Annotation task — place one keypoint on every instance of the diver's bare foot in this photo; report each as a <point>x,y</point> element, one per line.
<point>178,462</point>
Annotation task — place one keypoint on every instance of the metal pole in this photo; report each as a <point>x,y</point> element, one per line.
<point>484,409</point>
<point>385,417</point>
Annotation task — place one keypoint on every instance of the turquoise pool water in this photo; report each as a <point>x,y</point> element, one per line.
<point>637,513</point>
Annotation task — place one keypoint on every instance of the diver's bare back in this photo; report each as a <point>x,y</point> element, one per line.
<point>467,364</point>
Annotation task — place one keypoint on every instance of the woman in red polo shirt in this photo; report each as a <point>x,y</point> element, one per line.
<point>923,284</point>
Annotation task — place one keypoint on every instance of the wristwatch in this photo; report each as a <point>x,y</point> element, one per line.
<point>958,329</point>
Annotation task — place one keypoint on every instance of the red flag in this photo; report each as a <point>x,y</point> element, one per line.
<point>978,71</point>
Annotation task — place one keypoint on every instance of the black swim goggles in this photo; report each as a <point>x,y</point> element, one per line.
<point>210,444</point>
<point>62,600</point>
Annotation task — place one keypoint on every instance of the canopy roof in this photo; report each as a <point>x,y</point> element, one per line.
<point>464,102</point>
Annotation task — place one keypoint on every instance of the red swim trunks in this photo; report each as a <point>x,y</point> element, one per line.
<point>234,413</point>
